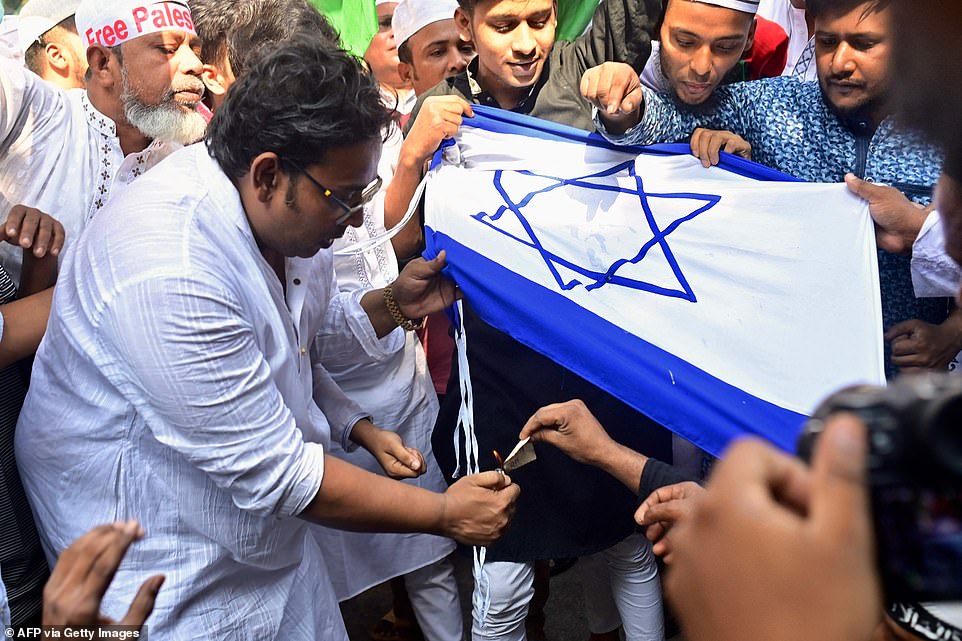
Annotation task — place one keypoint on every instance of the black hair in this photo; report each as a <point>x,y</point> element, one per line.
<point>33,56</point>
<point>404,53</point>
<point>817,8</point>
<point>300,100</point>
<point>244,30</point>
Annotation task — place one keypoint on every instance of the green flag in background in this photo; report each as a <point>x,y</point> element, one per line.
<point>573,17</point>
<point>355,20</point>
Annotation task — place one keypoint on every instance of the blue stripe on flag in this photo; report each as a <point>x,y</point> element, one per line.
<point>509,122</point>
<point>673,392</point>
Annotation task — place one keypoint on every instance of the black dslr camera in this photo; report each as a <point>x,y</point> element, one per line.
<point>915,477</point>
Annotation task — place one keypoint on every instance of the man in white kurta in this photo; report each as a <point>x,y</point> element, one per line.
<point>175,384</point>
<point>61,151</point>
<point>199,430</point>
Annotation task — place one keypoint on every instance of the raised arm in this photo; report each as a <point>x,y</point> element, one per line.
<point>573,429</point>
<point>439,117</point>
<point>620,32</point>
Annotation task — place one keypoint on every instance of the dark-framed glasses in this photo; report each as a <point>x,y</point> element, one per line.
<point>367,194</point>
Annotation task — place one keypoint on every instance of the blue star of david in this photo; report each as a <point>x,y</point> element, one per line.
<point>596,279</point>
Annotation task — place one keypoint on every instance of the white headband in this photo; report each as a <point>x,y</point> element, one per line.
<point>746,6</point>
<point>411,16</point>
<point>111,23</point>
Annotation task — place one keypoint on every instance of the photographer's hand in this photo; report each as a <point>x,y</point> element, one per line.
<point>777,551</point>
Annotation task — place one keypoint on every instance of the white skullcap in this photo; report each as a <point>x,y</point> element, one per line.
<point>37,17</point>
<point>411,16</point>
<point>113,22</point>
<point>378,3</point>
<point>746,6</point>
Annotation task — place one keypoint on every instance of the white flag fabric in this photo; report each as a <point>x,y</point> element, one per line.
<point>719,302</point>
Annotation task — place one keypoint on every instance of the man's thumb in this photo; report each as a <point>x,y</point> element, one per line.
<point>492,480</point>
<point>861,188</point>
<point>839,487</point>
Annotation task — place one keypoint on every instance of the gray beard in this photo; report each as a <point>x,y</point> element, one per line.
<point>167,121</point>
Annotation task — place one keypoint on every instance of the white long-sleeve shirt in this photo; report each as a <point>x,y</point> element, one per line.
<point>396,389</point>
<point>175,386</point>
<point>58,153</point>
<point>9,40</point>
<point>934,273</point>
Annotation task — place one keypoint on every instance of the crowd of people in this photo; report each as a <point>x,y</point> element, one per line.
<point>221,421</point>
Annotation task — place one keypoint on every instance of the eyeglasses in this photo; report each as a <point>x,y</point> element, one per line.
<point>366,195</point>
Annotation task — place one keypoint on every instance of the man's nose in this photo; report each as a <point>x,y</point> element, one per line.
<point>701,62</point>
<point>524,43</point>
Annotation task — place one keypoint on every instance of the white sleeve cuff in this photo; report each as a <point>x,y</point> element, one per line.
<point>934,273</point>
<point>310,476</point>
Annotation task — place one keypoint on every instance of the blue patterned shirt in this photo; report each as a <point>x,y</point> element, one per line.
<point>791,128</point>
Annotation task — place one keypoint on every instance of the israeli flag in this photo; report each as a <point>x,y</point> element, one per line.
<point>719,302</point>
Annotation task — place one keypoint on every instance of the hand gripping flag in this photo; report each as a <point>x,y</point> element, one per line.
<point>719,302</point>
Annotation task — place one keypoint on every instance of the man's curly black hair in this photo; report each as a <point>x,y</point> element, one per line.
<point>300,101</point>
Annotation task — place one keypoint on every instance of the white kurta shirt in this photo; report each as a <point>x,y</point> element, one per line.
<point>396,389</point>
<point>9,40</point>
<point>175,386</point>
<point>59,154</point>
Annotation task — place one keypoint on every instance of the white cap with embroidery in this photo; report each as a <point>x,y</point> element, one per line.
<point>746,6</point>
<point>410,16</point>
<point>112,22</point>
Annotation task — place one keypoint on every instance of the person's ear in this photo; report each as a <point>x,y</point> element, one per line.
<point>265,175</point>
<point>98,61</point>
<point>462,20</point>
<point>216,82</point>
<point>56,59</point>
<point>406,72</point>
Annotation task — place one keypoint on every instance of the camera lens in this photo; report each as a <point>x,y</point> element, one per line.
<point>944,434</point>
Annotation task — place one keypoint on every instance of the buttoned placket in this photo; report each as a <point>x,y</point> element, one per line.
<point>109,152</point>
<point>296,274</point>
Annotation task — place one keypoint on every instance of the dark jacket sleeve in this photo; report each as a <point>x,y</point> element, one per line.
<point>620,31</point>
<point>657,474</point>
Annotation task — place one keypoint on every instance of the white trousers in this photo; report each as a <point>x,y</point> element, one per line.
<point>624,585</point>
<point>433,592</point>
